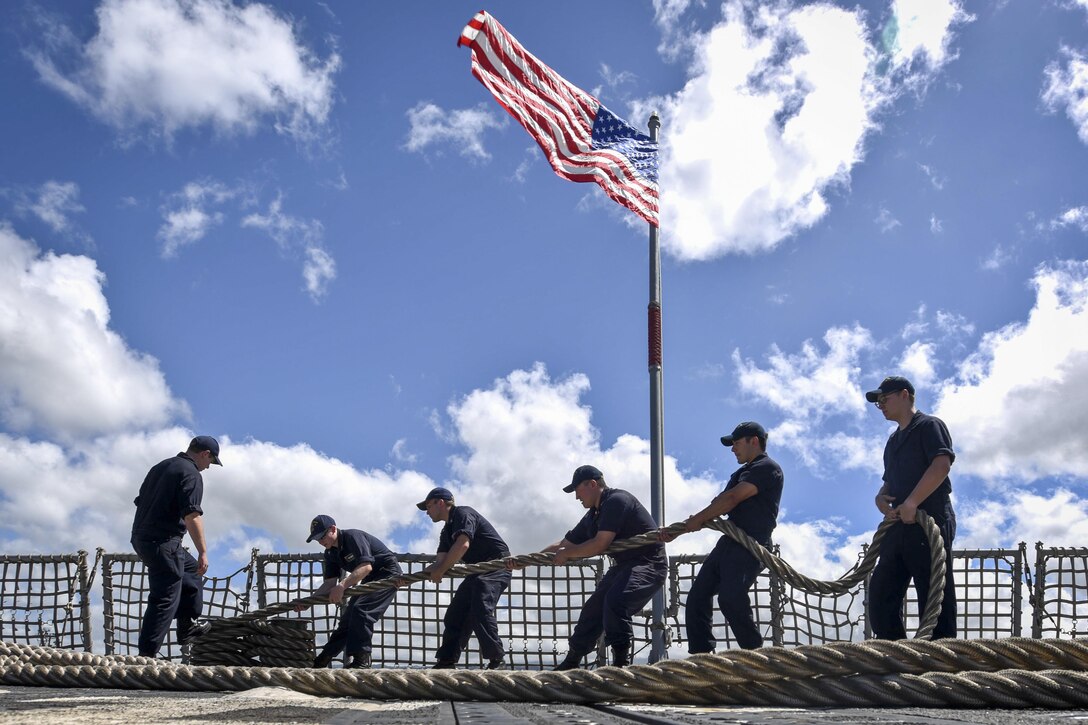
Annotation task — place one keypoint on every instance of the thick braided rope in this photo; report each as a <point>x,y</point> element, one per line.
<point>1011,673</point>
<point>928,615</point>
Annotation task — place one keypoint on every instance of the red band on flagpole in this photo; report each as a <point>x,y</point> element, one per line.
<point>653,313</point>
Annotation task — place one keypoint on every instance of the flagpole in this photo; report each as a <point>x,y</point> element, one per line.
<point>657,427</point>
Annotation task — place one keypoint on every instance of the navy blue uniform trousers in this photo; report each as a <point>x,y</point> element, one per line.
<point>174,591</point>
<point>728,572</point>
<point>623,592</point>
<point>905,555</point>
<point>355,630</point>
<point>472,610</point>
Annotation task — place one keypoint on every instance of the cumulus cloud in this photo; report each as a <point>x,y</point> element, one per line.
<point>787,94</point>
<point>808,389</point>
<point>1027,376</point>
<point>63,372</point>
<point>1066,88</point>
<point>523,438</point>
<point>265,487</point>
<point>812,383</point>
<point>461,129</point>
<point>917,363</point>
<point>1058,517</point>
<point>784,94</point>
<point>161,66</point>
<point>189,214</point>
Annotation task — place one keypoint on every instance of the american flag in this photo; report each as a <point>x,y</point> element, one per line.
<point>582,139</point>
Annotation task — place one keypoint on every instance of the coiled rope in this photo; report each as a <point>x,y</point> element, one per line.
<point>1008,673</point>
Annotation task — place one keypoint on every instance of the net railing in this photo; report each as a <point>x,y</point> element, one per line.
<point>124,592</point>
<point>989,593</point>
<point>45,600</point>
<point>1059,597</point>
<point>534,614</point>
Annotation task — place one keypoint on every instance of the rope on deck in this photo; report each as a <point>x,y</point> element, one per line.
<point>1008,673</point>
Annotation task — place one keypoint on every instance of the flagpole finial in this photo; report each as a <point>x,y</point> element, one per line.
<point>654,123</point>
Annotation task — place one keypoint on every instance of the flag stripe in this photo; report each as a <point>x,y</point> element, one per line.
<point>620,179</point>
<point>553,132</point>
<point>574,141</point>
<point>526,73</point>
<point>560,117</point>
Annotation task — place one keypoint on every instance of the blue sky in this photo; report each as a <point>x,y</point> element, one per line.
<point>306,229</point>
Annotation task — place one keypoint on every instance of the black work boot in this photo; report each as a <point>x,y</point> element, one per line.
<point>444,665</point>
<point>323,660</point>
<point>570,662</point>
<point>359,661</point>
<point>621,654</point>
<point>498,663</point>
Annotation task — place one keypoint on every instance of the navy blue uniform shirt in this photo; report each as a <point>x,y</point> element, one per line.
<point>484,542</point>
<point>621,513</point>
<point>172,490</point>
<point>355,548</point>
<point>758,515</point>
<point>907,456</point>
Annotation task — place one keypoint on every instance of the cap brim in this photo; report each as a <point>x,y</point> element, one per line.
<point>216,461</point>
<point>872,395</point>
<point>570,487</point>
<point>315,536</point>
<point>727,440</point>
<point>422,505</point>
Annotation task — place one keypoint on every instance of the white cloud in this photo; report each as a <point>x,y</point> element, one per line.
<point>916,327</point>
<point>677,36</point>
<point>952,324</point>
<point>917,363</point>
<point>788,94</point>
<point>1016,406</point>
<point>318,270</point>
<point>400,452</point>
<point>886,221</point>
<point>1057,518</point>
<point>525,435</point>
<point>188,214</point>
<point>462,129</point>
<point>935,224</point>
<point>274,489</point>
<point>810,385</point>
<point>785,94</point>
<point>999,257</point>
<point>809,388</point>
<point>167,65</point>
<point>1066,89</point>
<point>1076,216</point>
<point>918,35</point>
<point>62,370</point>
<point>290,232</point>
<point>55,203</point>
<point>935,179</point>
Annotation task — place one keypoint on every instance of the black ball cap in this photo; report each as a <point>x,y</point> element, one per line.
<point>892,384</point>
<point>746,429</point>
<point>583,473</point>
